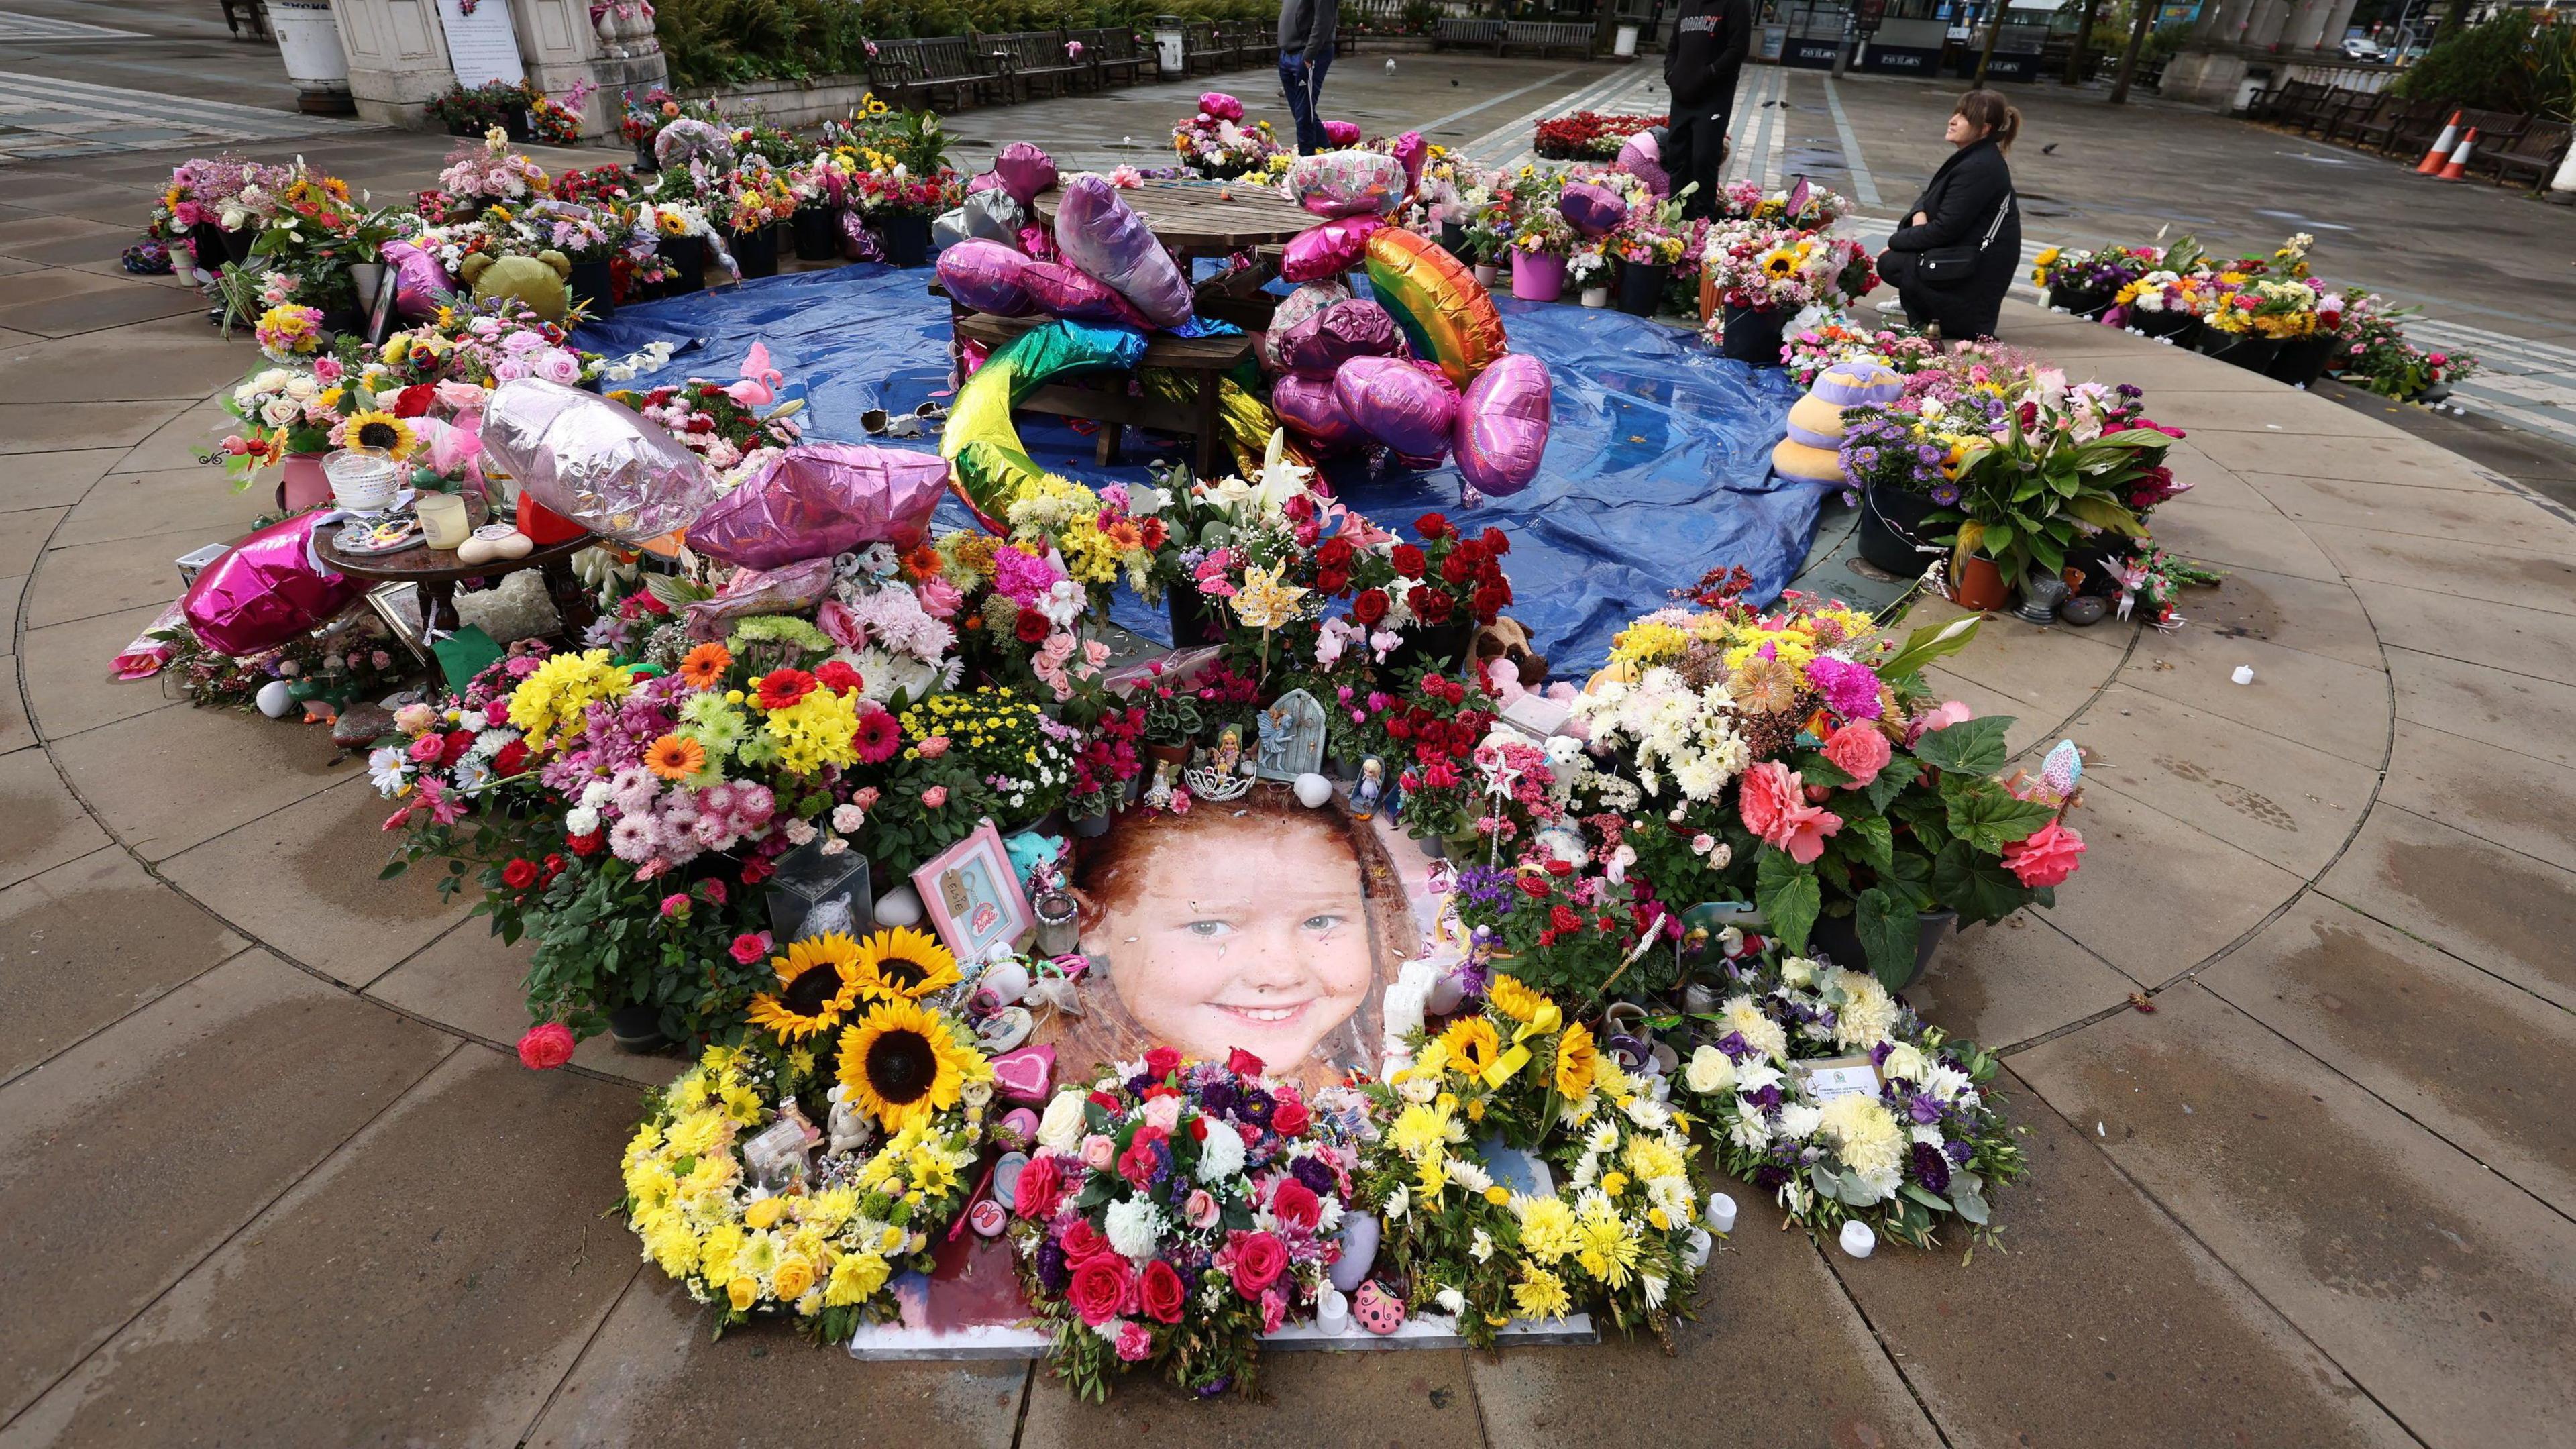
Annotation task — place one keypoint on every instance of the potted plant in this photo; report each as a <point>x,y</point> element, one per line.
<point>2033,491</point>
<point>1171,725</point>
<point>1589,271</point>
<point>1646,248</point>
<point>756,202</point>
<point>1758,275</point>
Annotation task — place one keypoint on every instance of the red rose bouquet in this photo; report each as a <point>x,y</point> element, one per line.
<point>1442,587</point>
<point>1173,1216</point>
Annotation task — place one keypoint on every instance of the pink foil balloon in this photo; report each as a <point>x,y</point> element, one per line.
<point>1024,171</point>
<point>265,591</point>
<point>1096,230</point>
<point>1342,133</point>
<point>1408,407</point>
<point>1077,295</point>
<point>1328,250</point>
<point>1410,152</point>
<point>1594,210</point>
<point>793,589</point>
<point>1320,345</point>
<point>1503,424</point>
<point>1313,414</point>
<point>988,277</point>
<point>1296,307</point>
<point>1347,183</point>
<point>419,281</point>
<point>819,499</point>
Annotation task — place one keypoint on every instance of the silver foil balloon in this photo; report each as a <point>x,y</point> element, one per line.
<point>789,590</point>
<point>818,499</point>
<point>595,461</point>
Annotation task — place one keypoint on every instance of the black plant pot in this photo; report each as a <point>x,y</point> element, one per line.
<point>2163,324</point>
<point>1753,336</point>
<point>907,240</point>
<point>2244,349</point>
<point>209,240</point>
<point>818,234</point>
<point>1437,646</point>
<point>237,242</point>
<point>343,321</point>
<point>688,258</point>
<point>1453,238</point>
<point>1837,937</point>
<point>516,124</point>
<point>637,1028</point>
<point>593,284</point>
<point>2302,360</point>
<point>756,252</point>
<point>2082,301</point>
<point>1196,618</point>
<point>1641,287</point>
<point>1891,525</point>
<point>644,158</point>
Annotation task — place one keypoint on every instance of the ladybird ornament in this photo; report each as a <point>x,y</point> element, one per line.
<point>1377,1310</point>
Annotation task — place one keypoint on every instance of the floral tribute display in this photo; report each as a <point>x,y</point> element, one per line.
<point>1173,1215</point>
<point>1911,1147</point>
<point>1588,135</point>
<point>1217,144</point>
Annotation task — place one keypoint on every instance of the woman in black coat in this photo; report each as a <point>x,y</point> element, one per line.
<point>1956,255</point>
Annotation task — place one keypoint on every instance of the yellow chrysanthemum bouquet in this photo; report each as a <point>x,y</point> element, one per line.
<point>1521,1174</point>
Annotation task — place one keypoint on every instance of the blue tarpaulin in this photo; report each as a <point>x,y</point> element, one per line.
<point>1658,469</point>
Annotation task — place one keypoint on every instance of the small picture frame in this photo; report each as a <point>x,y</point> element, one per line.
<point>973,895</point>
<point>398,604</point>
<point>380,312</point>
<point>1825,1078</point>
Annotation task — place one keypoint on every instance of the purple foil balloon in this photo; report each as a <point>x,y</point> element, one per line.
<point>819,499</point>
<point>1299,305</point>
<point>1096,230</point>
<point>1320,345</point>
<point>1024,171</point>
<point>790,590</point>
<point>1594,210</point>
<point>1329,250</point>
<point>265,591</point>
<point>419,281</point>
<point>1314,415</point>
<point>1410,152</point>
<point>1399,403</point>
<point>593,460</point>
<point>1642,156</point>
<point>1503,424</point>
<point>988,277</point>
<point>1077,296</point>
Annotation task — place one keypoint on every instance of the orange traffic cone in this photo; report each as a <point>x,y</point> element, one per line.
<point>2442,145</point>
<point>2460,158</point>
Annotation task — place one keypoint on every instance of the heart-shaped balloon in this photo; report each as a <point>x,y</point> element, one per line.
<point>1503,423</point>
<point>1409,407</point>
<point>1313,414</point>
<point>987,276</point>
<point>819,499</point>
<point>266,590</point>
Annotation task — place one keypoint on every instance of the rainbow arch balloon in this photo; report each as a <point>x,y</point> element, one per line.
<point>1448,319</point>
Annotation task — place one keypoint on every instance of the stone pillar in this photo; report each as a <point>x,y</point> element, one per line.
<point>397,57</point>
<point>563,47</point>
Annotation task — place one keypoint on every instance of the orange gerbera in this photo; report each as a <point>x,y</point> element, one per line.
<point>1124,533</point>
<point>705,665</point>
<point>675,758</point>
<point>924,563</point>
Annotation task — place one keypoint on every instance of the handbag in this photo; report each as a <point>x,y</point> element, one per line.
<point>1949,266</point>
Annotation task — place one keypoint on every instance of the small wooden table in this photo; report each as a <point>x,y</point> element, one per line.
<point>434,574</point>
<point>1214,219</point>
<point>1199,359</point>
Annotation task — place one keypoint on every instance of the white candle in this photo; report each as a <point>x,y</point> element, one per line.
<point>442,519</point>
<point>2244,674</point>
<point>1701,1244</point>
<point>1721,1213</point>
<point>1333,1311</point>
<point>1858,1240</point>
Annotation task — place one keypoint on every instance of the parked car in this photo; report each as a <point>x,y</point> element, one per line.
<point>2362,47</point>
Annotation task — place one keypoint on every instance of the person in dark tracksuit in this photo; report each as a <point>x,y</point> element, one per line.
<point>1700,70</point>
<point>1305,51</point>
<point>1969,205</point>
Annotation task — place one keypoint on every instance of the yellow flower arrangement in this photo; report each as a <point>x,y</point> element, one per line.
<point>818,730</point>
<point>547,706</point>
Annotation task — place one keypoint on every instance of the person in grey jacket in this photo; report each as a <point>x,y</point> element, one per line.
<point>1305,52</point>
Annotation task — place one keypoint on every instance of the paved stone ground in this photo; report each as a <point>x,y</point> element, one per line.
<point>274,1177</point>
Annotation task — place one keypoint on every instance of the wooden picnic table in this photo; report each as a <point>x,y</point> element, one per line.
<point>1201,361</point>
<point>1206,218</point>
<point>434,574</point>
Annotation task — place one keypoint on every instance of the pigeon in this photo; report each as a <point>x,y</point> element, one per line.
<point>2048,150</point>
<point>1390,65</point>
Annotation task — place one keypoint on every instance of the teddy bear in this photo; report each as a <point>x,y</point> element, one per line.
<point>537,281</point>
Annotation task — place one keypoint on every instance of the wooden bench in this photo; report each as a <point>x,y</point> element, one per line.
<point>2283,101</point>
<point>2496,129</point>
<point>2383,128</point>
<point>1029,59</point>
<point>1540,35</point>
<point>1197,364</point>
<point>1115,57</point>
<point>928,71</point>
<point>2534,154</point>
<point>1202,53</point>
<point>2359,112</point>
<point>1255,44</point>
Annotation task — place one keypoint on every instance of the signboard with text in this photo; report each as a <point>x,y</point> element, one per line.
<point>481,45</point>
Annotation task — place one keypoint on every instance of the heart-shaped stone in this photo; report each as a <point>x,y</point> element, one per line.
<point>1025,1074</point>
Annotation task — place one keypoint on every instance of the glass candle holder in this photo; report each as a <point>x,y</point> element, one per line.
<point>442,519</point>
<point>1059,932</point>
<point>363,480</point>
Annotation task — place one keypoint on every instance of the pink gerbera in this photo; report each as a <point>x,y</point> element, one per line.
<point>878,737</point>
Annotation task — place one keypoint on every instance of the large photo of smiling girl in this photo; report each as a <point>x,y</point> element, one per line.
<point>1256,923</point>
